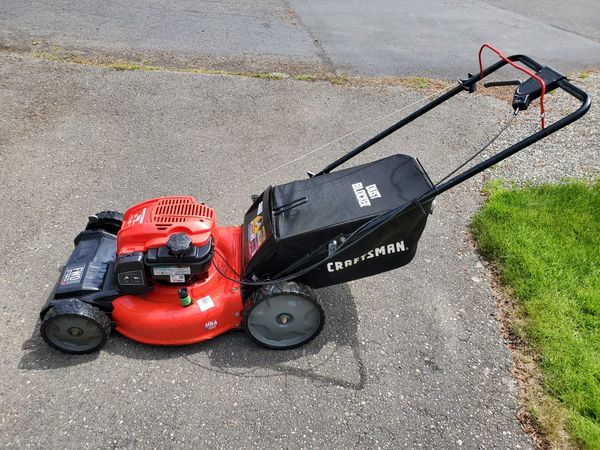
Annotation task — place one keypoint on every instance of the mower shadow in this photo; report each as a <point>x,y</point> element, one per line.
<point>333,358</point>
<point>233,353</point>
<point>40,356</point>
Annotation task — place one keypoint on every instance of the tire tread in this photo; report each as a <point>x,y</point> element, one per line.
<point>75,307</point>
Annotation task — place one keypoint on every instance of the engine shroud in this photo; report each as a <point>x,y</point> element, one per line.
<point>145,244</point>
<point>149,224</point>
<point>149,311</point>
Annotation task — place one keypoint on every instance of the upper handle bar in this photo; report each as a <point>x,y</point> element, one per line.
<point>563,84</point>
<point>469,85</point>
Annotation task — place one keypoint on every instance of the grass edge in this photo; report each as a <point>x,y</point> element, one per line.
<point>540,415</point>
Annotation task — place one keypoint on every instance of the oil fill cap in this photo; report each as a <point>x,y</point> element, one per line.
<point>179,243</point>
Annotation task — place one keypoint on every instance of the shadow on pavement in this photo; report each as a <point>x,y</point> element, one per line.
<point>235,355</point>
<point>40,356</point>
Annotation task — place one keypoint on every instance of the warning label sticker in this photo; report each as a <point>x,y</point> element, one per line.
<point>256,235</point>
<point>171,270</point>
<point>205,303</point>
<point>176,278</point>
<point>72,275</point>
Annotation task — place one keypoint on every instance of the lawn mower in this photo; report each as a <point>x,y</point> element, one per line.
<point>164,273</point>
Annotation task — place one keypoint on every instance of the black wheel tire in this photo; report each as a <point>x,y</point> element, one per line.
<point>109,221</point>
<point>73,326</point>
<point>281,301</point>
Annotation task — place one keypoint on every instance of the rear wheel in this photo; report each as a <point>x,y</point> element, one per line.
<point>73,326</point>
<point>283,315</point>
<point>110,221</point>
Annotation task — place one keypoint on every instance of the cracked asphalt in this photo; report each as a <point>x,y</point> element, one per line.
<point>412,358</point>
<point>377,38</point>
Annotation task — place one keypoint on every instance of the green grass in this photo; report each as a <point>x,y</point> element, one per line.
<point>129,66</point>
<point>417,82</point>
<point>109,62</point>
<point>268,76</point>
<point>545,242</point>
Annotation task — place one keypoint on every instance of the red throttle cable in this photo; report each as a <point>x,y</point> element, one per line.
<point>522,69</point>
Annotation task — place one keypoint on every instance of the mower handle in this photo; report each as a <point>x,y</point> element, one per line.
<point>502,83</point>
<point>469,85</point>
<point>548,79</point>
<point>561,83</point>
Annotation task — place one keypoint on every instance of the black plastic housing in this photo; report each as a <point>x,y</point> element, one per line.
<point>166,267</point>
<point>532,89</point>
<point>89,274</point>
<point>305,221</point>
<point>88,265</point>
<point>132,277</point>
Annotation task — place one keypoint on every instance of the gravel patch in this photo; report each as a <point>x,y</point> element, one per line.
<point>573,152</point>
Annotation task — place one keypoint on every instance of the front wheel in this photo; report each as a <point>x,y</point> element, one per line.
<point>283,315</point>
<point>73,326</point>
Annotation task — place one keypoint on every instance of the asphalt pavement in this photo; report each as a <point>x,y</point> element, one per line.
<point>410,358</point>
<point>379,37</point>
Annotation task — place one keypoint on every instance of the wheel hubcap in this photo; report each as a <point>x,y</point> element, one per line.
<point>284,321</point>
<point>74,333</point>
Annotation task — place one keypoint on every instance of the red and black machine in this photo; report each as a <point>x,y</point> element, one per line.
<point>165,273</point>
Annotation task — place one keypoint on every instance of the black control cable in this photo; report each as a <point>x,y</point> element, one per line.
<point>476,154</point>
